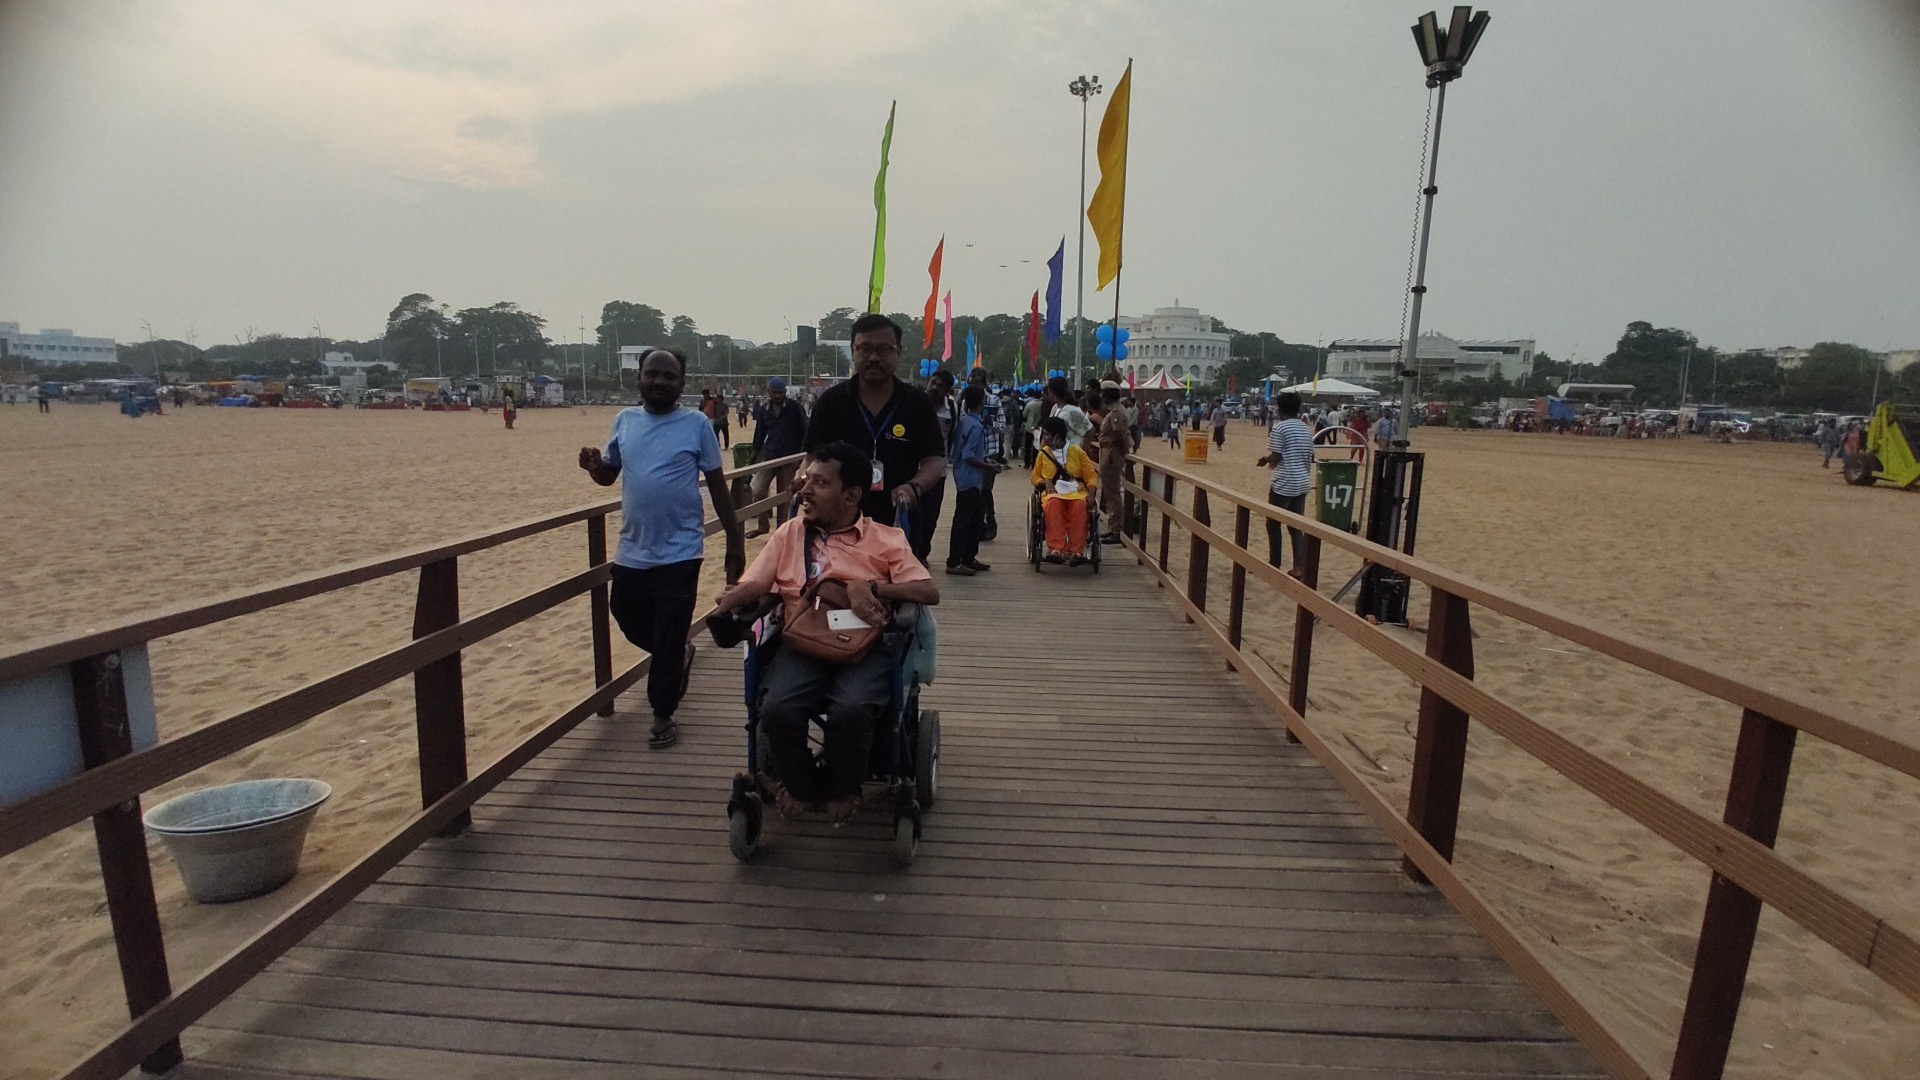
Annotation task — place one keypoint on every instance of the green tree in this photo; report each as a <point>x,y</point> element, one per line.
<point>837,325</point>
<point>1835,376</point>
<point>625,323</point>
<point>1653,360</point>
<point>501,338</point>
<point>416,331</point>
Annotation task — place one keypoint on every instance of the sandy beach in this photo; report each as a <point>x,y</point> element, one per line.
<point>1749,554</point>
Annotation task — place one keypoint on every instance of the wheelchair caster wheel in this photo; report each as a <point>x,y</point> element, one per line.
<point>743,828</point>
<point>906,840</point>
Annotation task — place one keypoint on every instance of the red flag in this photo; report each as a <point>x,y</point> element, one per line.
<point>1033,332</point>
<point>1230,382</point>
<point>933,298</point>
<point>1130,386</point>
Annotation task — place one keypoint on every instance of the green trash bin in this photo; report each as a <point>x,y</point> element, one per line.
<point>1337,488</point>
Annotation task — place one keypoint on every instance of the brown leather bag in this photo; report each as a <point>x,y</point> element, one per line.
<point>807,630</point>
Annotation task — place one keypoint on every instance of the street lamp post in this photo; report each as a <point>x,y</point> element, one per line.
<point>1393,495</point>
<point>1445,53</point>
<point>1084,87</point>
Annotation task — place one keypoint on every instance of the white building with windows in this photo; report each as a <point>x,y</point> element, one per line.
<point>343,363</point>
<point>56,346</point>
<point>1441,358</point>
<point>1177,340</point>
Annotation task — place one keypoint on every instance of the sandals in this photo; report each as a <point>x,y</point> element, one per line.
<point>665,733</point>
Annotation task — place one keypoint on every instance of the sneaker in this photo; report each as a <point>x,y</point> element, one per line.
<point>1077,560</point>
<point>960,569</point>
<point>1055,557</point>
<point>977,566</point>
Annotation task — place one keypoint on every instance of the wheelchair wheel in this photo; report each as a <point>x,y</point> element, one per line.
<point>926,758</point>
<point>743,828</point>
<point>906,839</point>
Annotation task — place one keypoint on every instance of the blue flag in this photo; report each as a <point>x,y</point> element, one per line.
<point>970,352</point>
<point>1055,266</point>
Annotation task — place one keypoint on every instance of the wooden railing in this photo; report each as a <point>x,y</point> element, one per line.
<point>116,775</point>
<point>1747,873</point>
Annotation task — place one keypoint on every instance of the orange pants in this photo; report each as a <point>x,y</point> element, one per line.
<point>1066,525</point>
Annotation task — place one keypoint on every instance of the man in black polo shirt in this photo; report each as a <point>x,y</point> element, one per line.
<point>883,416</point>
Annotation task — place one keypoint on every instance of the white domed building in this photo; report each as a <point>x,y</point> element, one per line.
<point>1179,341</point>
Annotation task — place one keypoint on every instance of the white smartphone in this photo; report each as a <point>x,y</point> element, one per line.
<point>843,619</point>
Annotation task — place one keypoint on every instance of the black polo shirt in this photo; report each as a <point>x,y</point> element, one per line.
<point>901,434</point>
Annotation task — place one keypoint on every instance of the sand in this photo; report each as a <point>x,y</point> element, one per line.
<point>1747,553</point>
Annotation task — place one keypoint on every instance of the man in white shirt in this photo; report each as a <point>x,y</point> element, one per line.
<point>1290,452</point>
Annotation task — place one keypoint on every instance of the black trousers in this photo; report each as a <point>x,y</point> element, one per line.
<point>848,702</point>
<point>926,518</point>
<point>969,522</point>
<point>1295,503</point>
<point>654,608</point>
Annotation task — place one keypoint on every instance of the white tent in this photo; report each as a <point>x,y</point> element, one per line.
<point>1331,388</point>
<point>1160,381</point>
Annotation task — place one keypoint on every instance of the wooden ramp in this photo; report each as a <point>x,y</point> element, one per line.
<point>1129,875</point>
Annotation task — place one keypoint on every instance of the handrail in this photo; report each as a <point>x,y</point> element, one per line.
<point>40,654</point>
<point>109,789</point>
<point>1816,715</point>
<point>1747,871</point>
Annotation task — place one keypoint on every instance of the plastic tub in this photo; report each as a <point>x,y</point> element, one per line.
<point>239,840</point>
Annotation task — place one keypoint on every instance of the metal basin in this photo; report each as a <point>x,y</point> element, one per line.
<point>239,840</point>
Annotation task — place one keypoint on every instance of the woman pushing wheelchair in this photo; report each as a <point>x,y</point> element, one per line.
<point>836,575</point>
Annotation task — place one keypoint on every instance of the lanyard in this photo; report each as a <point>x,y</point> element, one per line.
<point>875,427</point>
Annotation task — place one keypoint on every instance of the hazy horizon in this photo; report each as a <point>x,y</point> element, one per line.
<point>1749,172</point>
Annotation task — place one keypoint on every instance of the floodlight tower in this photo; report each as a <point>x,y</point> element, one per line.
<point>1393,496</point>
<point>1445,54</point>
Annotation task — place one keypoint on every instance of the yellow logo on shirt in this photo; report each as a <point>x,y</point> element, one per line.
<point>899,431</point>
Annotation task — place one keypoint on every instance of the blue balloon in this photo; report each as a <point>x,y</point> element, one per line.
<point>1104,349</point>
<point>1120,351</point>
<point>1123,334</point>
<point>1103,332</point>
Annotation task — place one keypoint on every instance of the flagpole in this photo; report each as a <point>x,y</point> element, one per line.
<point>1120,245</point>
<point>1083,88</point>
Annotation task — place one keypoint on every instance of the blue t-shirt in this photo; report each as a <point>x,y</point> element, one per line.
<point>661,459</point>
<point>969,442</point>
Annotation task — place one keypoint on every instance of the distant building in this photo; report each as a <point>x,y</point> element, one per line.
<point>1441,358</point>
<point>56,346</point>
<point>343,363</point>
<point>1786,358</point>
<point>631,355</point>
<point>1899,360</point>
<point>1177,340</point>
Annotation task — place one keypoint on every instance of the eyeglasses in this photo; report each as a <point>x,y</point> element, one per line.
<point>876,351</point>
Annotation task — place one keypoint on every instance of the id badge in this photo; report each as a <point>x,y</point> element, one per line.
<point>879,477</point>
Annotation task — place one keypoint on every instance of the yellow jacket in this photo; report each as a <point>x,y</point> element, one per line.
<point>1079,467</point>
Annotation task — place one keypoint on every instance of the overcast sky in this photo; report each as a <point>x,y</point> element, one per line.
<point>1749,171</point>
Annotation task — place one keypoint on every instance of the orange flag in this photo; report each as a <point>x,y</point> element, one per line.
<point>933,298</point>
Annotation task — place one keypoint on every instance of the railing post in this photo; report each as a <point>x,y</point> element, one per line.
<point>1139,523</point>
<point>1440,743</point>
<point>1755,794</point>
<point>1197,553</point>
<point>100,700</point>
<point>1166,521</point>
<point>439,703</point>
<point>783,482</point>
<point>598,602</point>
<point>1308,566</point>
<point>1237,592</point>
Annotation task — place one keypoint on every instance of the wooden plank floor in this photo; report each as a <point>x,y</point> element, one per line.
<point>1128,875</point>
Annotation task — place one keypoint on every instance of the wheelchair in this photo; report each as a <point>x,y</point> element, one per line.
<point>903,759</point>
<point>1037,532</point>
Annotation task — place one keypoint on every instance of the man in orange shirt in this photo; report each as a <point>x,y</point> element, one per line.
<point>830,539</point>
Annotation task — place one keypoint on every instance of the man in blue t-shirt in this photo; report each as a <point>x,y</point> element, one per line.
<point>658,453</point>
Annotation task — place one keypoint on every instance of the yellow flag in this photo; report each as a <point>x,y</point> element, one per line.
<point>1108,209</point>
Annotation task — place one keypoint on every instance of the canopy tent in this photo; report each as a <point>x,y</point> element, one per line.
<point>1331,388</point>
<point>1160,381</point>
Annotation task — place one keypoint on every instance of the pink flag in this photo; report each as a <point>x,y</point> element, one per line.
<point>947,352</point>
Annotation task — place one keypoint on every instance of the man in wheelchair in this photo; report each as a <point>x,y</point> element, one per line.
<point>829,541</point>
<point>1063,476</point>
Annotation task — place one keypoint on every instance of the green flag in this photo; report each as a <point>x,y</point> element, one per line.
<point>878,276</point>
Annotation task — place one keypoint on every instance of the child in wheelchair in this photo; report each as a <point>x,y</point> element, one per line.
<point>1063,478</point>
<point>836,577</point>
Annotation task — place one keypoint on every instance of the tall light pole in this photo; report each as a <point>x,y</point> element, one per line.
<point>1084,88</point>
<point>1445,53</point>
<point>790,341</point>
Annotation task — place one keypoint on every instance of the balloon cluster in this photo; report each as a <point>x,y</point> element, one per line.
<point>928,367</point>
<point>1110,342</point>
